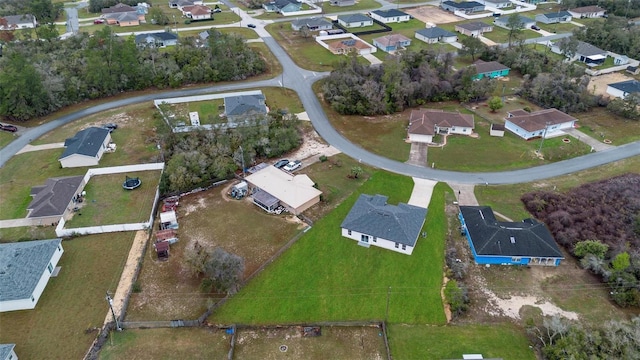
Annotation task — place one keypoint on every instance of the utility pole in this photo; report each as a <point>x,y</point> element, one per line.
<point>544,134</point>
<point>113,313</point>
<point>386,315</point>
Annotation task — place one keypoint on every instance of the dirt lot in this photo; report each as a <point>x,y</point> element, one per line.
<point>598,84</point>
<point>432,14</point>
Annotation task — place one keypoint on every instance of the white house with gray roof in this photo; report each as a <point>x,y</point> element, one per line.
<point>25,269</point>
<point>623,89</point>
<point>313,24</point>
<point>390,16</point>
<point>15,22</point>
<point>354,20</point>
<point>7,352</point>
<point>242,107</point>
<point>372,221</point>
<point>435,34</point>
<point>554,17</point>
<point>85,148</point>
<point>585,52</point>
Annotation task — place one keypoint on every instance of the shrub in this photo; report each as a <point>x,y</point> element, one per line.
<point>323,158</point>
<point>457,297</point>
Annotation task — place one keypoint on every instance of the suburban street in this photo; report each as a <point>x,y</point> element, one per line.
<point>301,81</point>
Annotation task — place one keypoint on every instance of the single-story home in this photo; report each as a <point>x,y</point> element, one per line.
<point>7,352</point>
<point>346,46</point>
<point>124,15</point>
<point>474,29</point>
<point>542,123</point>
<point>490,69</point>
<point>85,148</point>
<point>25,269</point>
<point>585,52</point>
<point>633,70</point>
<point>624,88</point>
<point>240,107</point>
<point>354,20</point>
<point>179,4</point>
<point>51,200</point>
<point>16,22</point>
<point>313,24</point>
<point>390,16</point>
<point>342,2</point>
<point>466,7</point>
<point>503,22</point>
<point>587,12</point>
<point>271,187</point>
<point>498,4</point>
<point>197,12</point>
<point>435,34</point>
<point>554,17</point>
<point>159,39</point>
<point>392,42</point>
<point>425,123</point>
<point>371,221</point>
<point>282,6</point>
<point>507,243</point>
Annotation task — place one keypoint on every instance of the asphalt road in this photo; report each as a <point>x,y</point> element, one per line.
<point>301,81</point>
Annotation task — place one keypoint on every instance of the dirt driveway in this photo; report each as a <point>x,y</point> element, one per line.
<point>432,14</point>
<point>598,84</point>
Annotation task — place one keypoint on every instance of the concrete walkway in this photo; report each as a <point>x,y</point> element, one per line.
<point>422,191</point>
<point>465,193</point>
<point>594,143</point>
<point>372,59</point>
<point>11,223</point>
<point>418,154</point>
<point>30,148</point>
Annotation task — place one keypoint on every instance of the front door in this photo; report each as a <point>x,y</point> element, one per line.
<point>364,238</point>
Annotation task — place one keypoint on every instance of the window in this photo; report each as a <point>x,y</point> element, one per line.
<point>515,259</point>
<point>397,245</point>
<point>348,232</point>
<point>404,247</point>
<point>375,239</point>
<point>50,268</point>
<point>364,238</point>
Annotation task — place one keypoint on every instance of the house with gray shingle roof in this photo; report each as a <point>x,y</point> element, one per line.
<point>554,17</point>
<point>25,269</point>
<point>85,148</point>
<point>474,29</point>
<point>623,89</point>
<point>51,200</point>
<point>528,242</point>
<point>390,16</point>
<point>14,22</point>
<point>313,24</point>
<point>372,221</point>
<point>585,52</point>
<point>241,107</point>
<point>7,352</point>
<point>435,34</point>
<point>354,20</point>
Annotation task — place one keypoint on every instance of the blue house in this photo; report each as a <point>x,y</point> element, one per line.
<point>490,69</point>
<point>507,243</point>
<point>392,42</point>
<point>282,6</point>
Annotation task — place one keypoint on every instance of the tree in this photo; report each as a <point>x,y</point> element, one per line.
<point>472,46</point>
<point>515,26</point>
<point>158,16</point>
<point>568,46</point>
<point>495,103</point>
<point>356,171</point>
<point>593,247</point>
<point>305,32</point>
<point>223,271</point>
<point>22,95</point>
<point>457,297</point>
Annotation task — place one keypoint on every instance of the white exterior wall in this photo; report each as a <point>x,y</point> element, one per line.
<point>419,138</point>
<point>387,20</point>
<point>356,24</point>
<point>200,17</point>
<point>551,130</point>
<point>425,39</point>
<point>26,304</point>
<point>78,160</point>
<point>616,92</point>
<point>380,242</point>
<point>449,39</point>
<point>460,130</point>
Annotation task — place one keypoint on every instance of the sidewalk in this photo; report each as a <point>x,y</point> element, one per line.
<point>421,193</point>
<point>595,144</point>
<point>30,148</point>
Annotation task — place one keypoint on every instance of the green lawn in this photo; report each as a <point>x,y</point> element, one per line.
<point>27,233</point>
<point>360,5</point>
<point>504,341</point>
<point>557,28</point>
<point>324,277</point>
<point>6,138</point>
<point>72,302</point>
<point>601,124</point>
<point>501,35</point>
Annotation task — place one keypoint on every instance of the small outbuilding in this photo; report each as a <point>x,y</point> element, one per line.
<point>496,130</point>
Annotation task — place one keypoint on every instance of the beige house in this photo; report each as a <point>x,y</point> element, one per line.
<point>271,187</point>
<point>473,29</point>
<point>425,123</point>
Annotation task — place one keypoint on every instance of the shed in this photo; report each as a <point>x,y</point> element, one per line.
<point>168,220</point>
<point>162,249</point>
<point>497,130</point>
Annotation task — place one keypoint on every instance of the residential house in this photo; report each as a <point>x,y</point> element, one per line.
<point>197,12</point>
<point>473,29</point>
<point>554,17</point>
<point>342,2</point>
<point>16,22</point>
<point>543,123</point>
<point>490,69</point>
<point>343,47</point>
<point>313,24</point>
<point>271,187</point>
<point>493,242</point>
<point>392,42</point>
<point>54,198</point>
<point>159,39</point>
<point>587,12</point>
<point>282,6</point>
<point>354,20</point>
<point>371,221</point>
<point>466,7</point>
<point>425,123</point>
<point>497,4</point>
<point>585,52</point>
<point>619,59</point>
<point>85,148</point>
<point>503,22</point>
<point>7,352</point>
<point>633,70</point>
<point>436,34</point>
<point>124,15</point>
<point>242,107</point>
<point>179,4</point>
<point>624,88</point>
<point>390,16</point>
<point>25,269</point>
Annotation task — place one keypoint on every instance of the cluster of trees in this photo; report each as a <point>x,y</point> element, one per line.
<point>614,34</point>
<point>405,80</point>
<point>95,6</point>
<point>39,77</point>
<point>561,339</point>
<point>220,271</point>
<point>44,10</point>
<point>198,158</point>
<point>599,223</point>
<point>627,8</point>
<point>456,292</point>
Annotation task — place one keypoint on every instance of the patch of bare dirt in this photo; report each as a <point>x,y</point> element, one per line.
<point>598,84</point>
<point>312,147</point>
<point>432,14</point>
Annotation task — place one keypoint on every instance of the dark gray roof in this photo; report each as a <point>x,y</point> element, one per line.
<point>312,22</point>
<point>474,26</point>
<point>22,265</point>
<point>52,198</point>
<point>435,32</point>
<point>19,19</point>
<point>505,20</point>
<point>587,49</point>
<point>464,4</point>
<point>159,36</point>
<point>488,66</point>
<point>265,198</point>
<point>282,3</point>
<point>493,238</point>
<point>389,13</point>
<point>351,18</point>
<point>242,104</point>
<point>86,142</point>
<point>372,215</point>
<point>5,350</point>
<point>558,14</point>
<point>629,86</point>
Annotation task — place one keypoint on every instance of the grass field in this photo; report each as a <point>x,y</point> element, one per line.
<point>360,5</point>
<point>27,233</point>
<point>326,277</point>
<point>5,138</point>
<point>602,124</point>
<point>503,341</point>
<point>72,302</point>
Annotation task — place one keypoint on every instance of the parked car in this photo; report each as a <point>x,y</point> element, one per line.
<point>280,163</point>
<point>535,27</point>
<point>9,128</point>
<point>217,10</point>
<point>293,165</point>
<point>98,21</point>
<point>110,126</point>
<point>253,26</point>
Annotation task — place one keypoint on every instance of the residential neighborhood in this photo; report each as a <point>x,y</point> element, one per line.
<point>341,179</point>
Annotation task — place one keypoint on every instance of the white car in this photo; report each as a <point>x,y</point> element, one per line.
<point>293,165</point>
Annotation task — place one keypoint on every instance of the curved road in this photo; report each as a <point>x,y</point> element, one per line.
<point>301,81</point>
